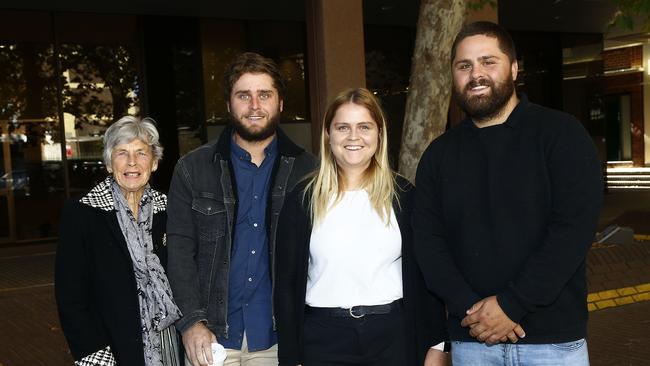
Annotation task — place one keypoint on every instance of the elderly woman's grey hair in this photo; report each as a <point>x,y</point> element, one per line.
<point>128,129</point>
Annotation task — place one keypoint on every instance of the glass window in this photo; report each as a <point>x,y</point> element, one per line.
<point>31,181</point>
<point>100,85</point>
<point>89,82</point>
<point>284,42</point>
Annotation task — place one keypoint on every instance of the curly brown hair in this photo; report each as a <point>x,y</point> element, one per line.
<point>250,62</point>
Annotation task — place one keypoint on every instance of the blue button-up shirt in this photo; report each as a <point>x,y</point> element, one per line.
<point>249,296</point>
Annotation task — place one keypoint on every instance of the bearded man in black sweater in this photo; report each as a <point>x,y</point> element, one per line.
<point>506,207</point>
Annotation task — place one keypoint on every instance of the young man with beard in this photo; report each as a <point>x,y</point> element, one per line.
<point>224,202</point>
<point>506,206</point>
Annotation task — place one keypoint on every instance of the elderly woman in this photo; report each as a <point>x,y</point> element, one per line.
<point>114,300</point>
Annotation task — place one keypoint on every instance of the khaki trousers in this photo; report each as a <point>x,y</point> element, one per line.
<point>267,357</point>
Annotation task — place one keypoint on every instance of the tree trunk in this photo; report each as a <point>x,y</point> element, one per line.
<point>430,85</point>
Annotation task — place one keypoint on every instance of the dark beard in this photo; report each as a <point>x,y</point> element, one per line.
<point>489,106</point>
<point>259,135</point>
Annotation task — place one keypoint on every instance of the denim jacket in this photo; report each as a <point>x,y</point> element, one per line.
<point>202,204</point>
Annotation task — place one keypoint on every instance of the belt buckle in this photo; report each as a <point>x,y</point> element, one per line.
<point>351,311</point>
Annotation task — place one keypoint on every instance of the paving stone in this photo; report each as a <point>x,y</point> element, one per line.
<point>630,281</point>
<point>636,264</point>
<point>645,287</point>
<point>613,284</point>
<point>619,267</point>
<point>616,275</point>
<point>624,300</point>
<point>593,297</point>
<point>642,297</point>
<point>604,304</point>
<point>27,336</point>
<point>619,336</point>
<point>598,278</point>
<point>596,287</point>
<point>644,277</point>
<point>626,291</point>
<point>608,294</point>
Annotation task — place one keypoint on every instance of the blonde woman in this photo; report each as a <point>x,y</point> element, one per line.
<point>348,289</point>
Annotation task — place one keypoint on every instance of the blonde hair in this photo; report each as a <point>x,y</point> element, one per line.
<point>378,179</point>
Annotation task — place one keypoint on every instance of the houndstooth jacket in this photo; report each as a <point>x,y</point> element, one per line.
<point>95,286</point>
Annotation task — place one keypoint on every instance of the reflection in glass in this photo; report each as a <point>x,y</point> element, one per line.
<point>222,41</point>
<point>187,61</point>
<point>30,183</point>
<point>100,85</point>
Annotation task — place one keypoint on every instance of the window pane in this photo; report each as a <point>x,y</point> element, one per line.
<point>284,42</point>
<point>100,85</point>
<point>31,182</point>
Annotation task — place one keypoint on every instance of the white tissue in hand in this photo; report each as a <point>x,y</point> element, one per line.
<point>218,354</point>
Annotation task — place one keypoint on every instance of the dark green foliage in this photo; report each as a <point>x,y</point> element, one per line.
<point>631,11</point>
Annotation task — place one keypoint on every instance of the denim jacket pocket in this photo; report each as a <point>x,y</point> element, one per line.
<point>210,215</point>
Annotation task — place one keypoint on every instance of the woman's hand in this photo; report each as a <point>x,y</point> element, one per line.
<point>435,358</point>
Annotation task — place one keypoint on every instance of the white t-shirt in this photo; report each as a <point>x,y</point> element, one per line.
<point>354,257</point>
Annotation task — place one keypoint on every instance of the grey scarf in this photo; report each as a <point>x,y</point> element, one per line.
<point>157,308</point>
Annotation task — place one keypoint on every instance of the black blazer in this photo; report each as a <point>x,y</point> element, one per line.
<point>94,282</point>
<point>424,313</point>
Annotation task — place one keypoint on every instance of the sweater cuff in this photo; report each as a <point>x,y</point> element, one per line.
<point>461,302</point>
<point>511,306</point>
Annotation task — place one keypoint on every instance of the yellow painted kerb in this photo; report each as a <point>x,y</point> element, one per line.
<point>617,297</point>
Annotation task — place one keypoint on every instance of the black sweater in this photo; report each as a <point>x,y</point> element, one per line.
<point>510,210</point>
<point>424,313</point>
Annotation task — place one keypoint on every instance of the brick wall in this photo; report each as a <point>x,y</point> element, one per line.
<point>623,58</point>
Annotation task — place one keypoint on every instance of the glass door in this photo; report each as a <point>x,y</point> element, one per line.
<point>29,139</point>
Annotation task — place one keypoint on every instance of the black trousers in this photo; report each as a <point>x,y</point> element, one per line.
<point>373,340</point>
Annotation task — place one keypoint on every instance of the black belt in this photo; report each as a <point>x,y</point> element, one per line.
<point>355,311</point>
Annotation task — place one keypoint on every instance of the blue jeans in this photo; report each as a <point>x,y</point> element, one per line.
<point>479,354</point>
